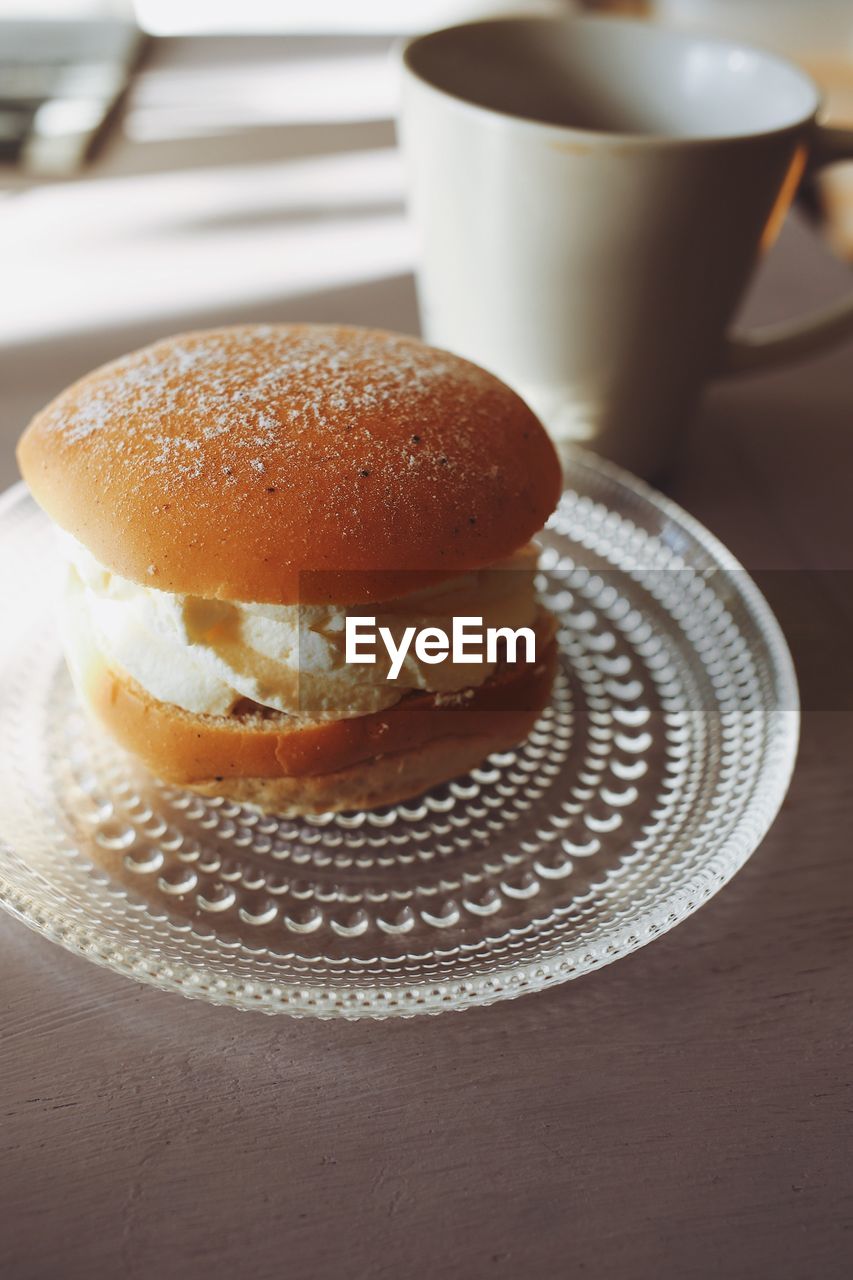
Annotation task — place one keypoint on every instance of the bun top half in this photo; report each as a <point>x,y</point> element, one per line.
<point>288,463</point>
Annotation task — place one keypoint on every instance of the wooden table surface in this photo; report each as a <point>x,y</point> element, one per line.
<point>686,1113</point>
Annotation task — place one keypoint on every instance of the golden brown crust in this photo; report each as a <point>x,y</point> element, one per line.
<point>279,463</point>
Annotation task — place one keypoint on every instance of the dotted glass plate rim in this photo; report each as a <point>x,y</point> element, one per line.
<point>647,784</point>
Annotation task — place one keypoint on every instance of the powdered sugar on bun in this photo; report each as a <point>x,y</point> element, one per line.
<point>227,463</point>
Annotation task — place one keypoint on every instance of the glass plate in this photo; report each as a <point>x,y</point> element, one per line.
<point>649,780</point>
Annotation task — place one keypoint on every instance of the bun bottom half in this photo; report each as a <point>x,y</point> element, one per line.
<point>371,784</point>
<point>291,767</point>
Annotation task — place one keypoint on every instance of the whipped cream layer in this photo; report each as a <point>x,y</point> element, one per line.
<point>207,655</point>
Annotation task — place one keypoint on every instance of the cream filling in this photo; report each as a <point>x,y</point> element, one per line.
<point>206,655</point>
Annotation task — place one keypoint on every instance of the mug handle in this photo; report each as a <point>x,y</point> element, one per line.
<point>775,344</point>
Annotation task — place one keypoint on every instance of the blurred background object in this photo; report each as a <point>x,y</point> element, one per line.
<point>818,34</point>
<point>625,8</point>
<point>64,64</point>
<point>792,27</point>
<point>597,271</point>
<point>337,17</point>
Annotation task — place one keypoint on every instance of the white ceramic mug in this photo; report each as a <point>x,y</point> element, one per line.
<point>591,196</point>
